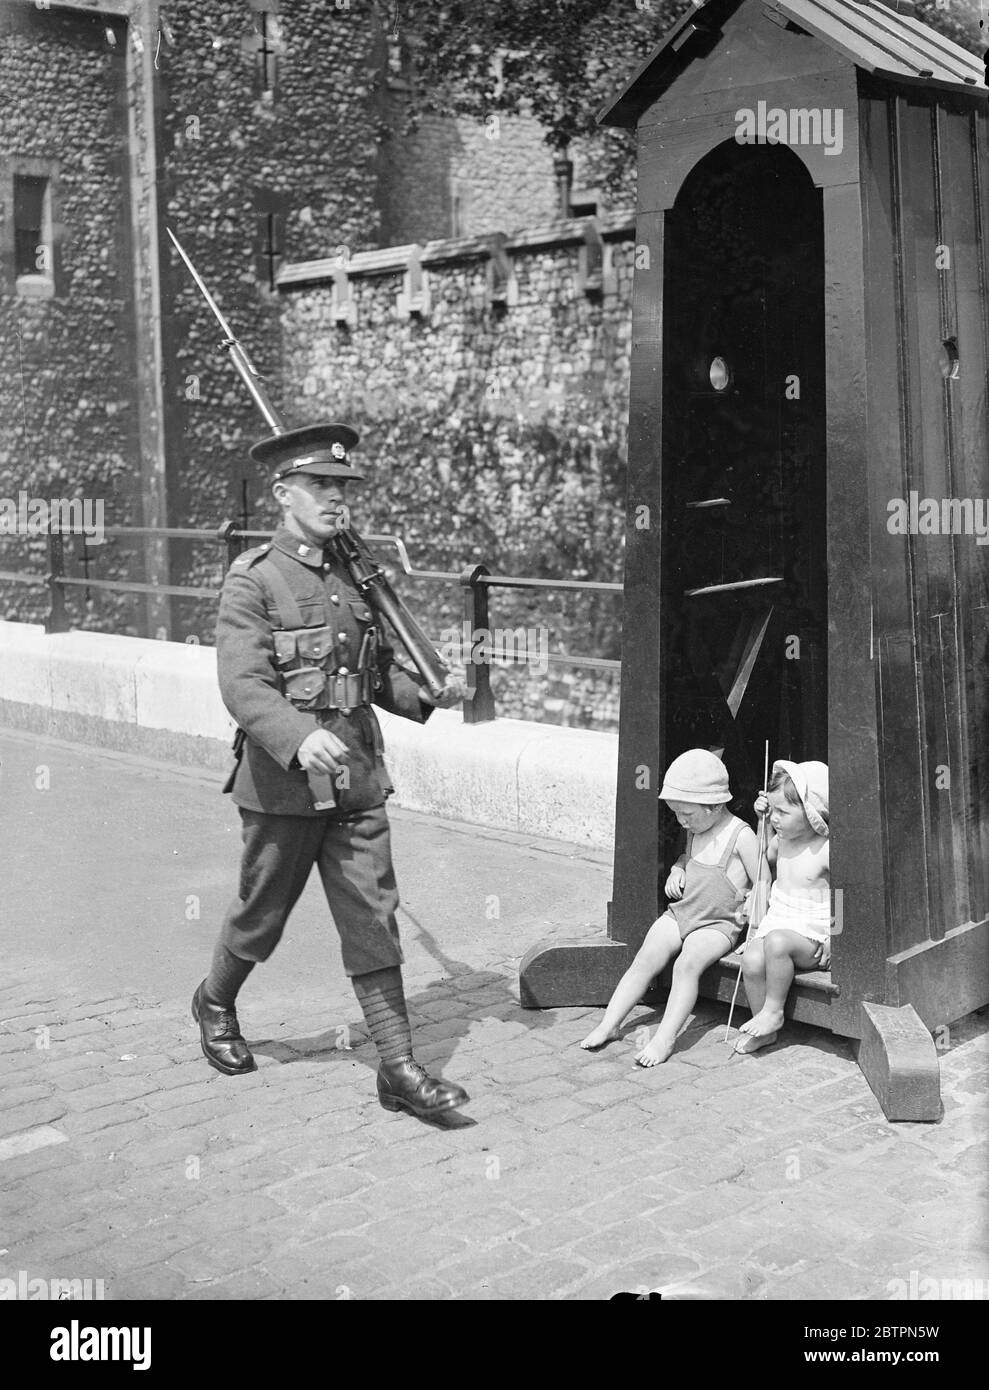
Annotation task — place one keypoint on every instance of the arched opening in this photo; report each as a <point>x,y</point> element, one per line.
<point>744,458</point>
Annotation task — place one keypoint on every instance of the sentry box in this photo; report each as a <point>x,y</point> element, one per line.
<point>808,485</point>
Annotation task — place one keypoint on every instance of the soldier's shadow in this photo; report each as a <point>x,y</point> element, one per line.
<point>442,1015</point>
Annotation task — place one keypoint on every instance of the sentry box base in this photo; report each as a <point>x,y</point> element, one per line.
<point>899,1060</point>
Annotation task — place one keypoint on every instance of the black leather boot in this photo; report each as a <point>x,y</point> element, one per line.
<point>219,1032</point>
<point>405,1085</point>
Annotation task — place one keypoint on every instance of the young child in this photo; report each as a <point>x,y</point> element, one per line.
<point>706,887</point>
<point>795,933</point>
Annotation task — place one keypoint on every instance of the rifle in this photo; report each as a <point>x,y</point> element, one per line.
<point>368,576</point>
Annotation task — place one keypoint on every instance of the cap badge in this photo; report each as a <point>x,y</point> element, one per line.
<point>338,451</point>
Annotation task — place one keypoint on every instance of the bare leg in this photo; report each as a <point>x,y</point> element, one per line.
<point>785,952</point>
<point>701,948</point>
<point>662,943</point>
<point>754,971</point>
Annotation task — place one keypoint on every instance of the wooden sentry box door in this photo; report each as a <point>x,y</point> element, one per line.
<point>744,466</point>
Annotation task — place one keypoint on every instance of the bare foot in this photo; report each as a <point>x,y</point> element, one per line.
<point>599,1036</point>
<point>752,1044</point>
<point>655,1052</point>
<point>764,1022</point>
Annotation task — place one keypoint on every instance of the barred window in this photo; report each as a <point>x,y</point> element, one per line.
<point>267,43</point>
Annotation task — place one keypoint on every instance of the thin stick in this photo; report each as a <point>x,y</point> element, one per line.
<point>758,871</point>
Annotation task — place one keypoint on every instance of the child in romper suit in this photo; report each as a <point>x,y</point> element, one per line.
<point>707,887</point>
<point>795,933</point>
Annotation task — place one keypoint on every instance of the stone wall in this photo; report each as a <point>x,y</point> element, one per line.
<point>483,421</point>
<point>458,178</point>
<point>326,155</point>
<point>67,396</point>
<point>493,417</point>
<point>488,380</point>
<point>233,152</point>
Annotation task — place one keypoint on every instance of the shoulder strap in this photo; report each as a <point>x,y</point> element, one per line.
<point>289,613</point>
<point>739,827</point>
<point>246,558</point>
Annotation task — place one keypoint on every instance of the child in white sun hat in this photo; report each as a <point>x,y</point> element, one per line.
<point>795,933</point>
<point>707,887</point>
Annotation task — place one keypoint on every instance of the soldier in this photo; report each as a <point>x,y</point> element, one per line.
<point>300,657</point>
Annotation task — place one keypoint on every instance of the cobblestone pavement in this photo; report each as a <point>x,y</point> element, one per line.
<point>123,1157</point>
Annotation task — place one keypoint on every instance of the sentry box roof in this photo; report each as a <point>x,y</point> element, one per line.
<point>887,42</point>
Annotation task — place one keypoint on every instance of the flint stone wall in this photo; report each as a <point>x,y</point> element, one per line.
<point>231,156</point>
<point>67,395</point>
<point>493,422</point>
<point>492,431</point>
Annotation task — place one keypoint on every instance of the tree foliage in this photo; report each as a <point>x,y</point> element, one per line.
<point>561,60</point>
<point>558,61</point>
<point>957,20</point>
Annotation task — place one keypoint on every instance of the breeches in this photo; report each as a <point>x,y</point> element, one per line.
<point>353,856</point>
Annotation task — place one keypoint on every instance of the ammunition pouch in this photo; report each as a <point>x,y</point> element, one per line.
<point>307,658</point>
<point>310,644</point>
<point>305,686</point>
<point>311,688</point>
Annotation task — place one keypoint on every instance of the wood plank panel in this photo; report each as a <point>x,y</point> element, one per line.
<point>859,952</point>
<point>930,476</point>
<point>667,152</point>
<point>641,722</point>
<point>944,980</point>
<point>964,312</point>
<point>978,626</point>
<point>901,765</point>
<point>977,449</point>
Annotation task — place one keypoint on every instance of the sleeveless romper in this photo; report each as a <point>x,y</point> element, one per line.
<point>709,897</point>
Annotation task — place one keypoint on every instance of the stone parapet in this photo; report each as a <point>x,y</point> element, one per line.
<point>160,699</point>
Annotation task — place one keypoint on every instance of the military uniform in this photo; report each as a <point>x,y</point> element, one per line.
<point>294,639</point>
<point>299,650</point>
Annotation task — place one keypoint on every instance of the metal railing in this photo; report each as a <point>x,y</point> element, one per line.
<point>475,580</point>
